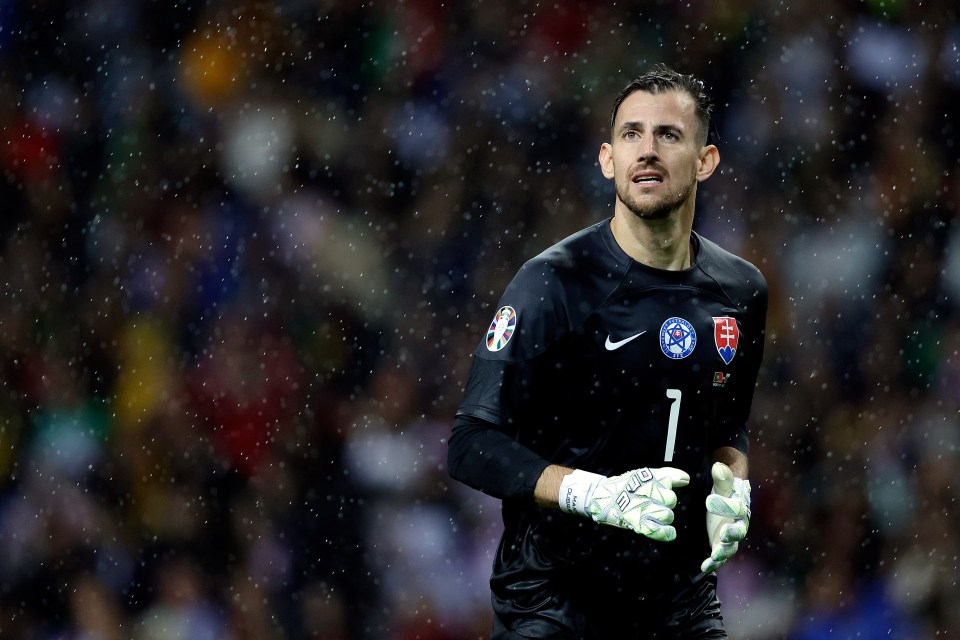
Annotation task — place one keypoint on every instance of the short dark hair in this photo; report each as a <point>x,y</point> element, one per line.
<point>661,79</point>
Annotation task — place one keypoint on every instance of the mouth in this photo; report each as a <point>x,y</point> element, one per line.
<point>647,178</point>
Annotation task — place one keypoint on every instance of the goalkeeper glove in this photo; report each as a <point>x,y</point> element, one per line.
<point>728,516</point>
<point>641,500</point>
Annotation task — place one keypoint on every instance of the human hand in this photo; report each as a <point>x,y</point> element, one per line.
<point>728,516</point>
<point>641,500</point>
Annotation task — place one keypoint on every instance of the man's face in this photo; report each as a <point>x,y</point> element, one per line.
<point>655,158</point>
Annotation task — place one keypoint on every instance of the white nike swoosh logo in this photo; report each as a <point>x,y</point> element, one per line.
<point>611,345</point>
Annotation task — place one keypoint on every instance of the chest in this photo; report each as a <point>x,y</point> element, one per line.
<point>679,337</point>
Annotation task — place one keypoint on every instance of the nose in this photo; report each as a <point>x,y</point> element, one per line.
<point>647,149</point>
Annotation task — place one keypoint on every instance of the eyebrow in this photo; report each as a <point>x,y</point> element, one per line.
<point>636,124</point>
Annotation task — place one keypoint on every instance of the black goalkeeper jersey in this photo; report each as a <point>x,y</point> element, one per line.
<point>598,362</point>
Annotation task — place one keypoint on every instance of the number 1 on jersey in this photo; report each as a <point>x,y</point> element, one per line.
<point>675,395</point>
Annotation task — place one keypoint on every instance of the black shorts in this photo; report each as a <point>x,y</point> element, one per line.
<point>689,614</point>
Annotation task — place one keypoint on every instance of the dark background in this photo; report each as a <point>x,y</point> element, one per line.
<point>248,248</point>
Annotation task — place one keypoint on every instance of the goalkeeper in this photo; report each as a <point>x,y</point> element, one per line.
<point>607,402</point>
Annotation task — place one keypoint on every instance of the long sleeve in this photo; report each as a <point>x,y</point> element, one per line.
<point>487,459</point>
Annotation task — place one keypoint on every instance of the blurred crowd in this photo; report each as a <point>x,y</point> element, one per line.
<point>247,248</point>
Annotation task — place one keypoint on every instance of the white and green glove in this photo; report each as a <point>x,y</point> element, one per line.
<point>728,516</point>
<point>641,500</point>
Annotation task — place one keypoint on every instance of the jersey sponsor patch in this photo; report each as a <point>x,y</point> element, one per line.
<point>726,335</point>
<point>677,338</point>
<point>502,328</point>
<point>720,378</point>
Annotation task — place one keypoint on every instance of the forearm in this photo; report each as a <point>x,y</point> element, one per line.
<point>547,491</point>
<point>487,459</point>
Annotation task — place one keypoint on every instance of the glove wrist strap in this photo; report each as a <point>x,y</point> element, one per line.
<point>575,490</point>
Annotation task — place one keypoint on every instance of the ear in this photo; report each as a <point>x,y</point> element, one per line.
<point>709,161</point>
<point>606,160</point>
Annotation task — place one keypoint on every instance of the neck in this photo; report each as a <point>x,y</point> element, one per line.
<point>662,244</point>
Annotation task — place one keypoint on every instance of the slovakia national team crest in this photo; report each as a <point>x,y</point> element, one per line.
<point>726,335</point>
<point>501,329</point>
<point>677,338</point>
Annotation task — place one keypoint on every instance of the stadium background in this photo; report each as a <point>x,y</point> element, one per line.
<point>247,249</point>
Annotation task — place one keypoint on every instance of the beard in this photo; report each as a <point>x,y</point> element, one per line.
<point>657,210</point>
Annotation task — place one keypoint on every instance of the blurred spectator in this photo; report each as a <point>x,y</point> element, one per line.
<point>180,609</point>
